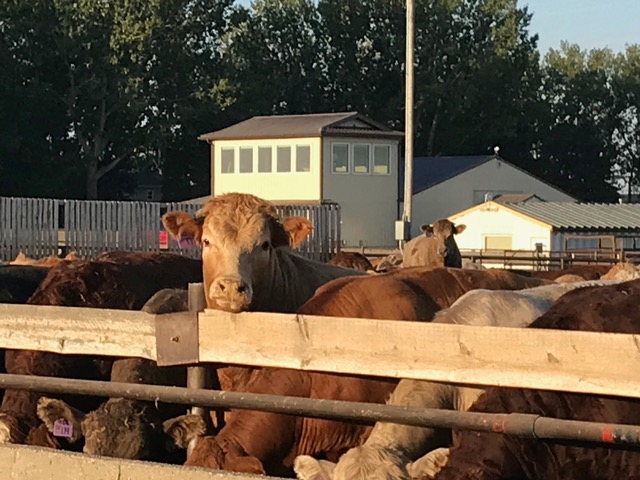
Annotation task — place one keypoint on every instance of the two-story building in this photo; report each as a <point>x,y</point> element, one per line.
<point>344,158</point>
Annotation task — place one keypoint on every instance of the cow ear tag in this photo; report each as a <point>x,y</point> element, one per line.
<point>62,428</point>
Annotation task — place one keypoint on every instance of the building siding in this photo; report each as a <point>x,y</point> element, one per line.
<point>302,186</point>
<point>496,220</point>
<point>468,188</point>
<point>369,203</point>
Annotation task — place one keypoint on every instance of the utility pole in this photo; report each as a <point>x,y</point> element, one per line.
<point>408,125</point>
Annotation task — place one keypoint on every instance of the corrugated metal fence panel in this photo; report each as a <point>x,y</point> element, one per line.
<point>42,227</point>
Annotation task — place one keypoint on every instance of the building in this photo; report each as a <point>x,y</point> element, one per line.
<point>344,158</point>
<point>148,187</point>
<point>521,222</point>
<point>443,186</point>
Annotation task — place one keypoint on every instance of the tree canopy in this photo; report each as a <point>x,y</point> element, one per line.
<point>92,91</point>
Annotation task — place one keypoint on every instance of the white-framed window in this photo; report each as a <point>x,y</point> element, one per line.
<point>498,242</point>
<point>283,160</point>
<point>340,158</point>
<point>227,160</point>
<point>303,158</point>
<point>361,158</point>
<point>245,160</point>
<point>381,159</point>
<point>264,160</point>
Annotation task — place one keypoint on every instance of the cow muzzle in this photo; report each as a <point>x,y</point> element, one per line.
<point>231,294</point>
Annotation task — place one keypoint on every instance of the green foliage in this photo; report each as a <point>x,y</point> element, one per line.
<point>92,90</point>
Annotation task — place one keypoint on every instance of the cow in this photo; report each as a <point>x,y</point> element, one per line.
<point>391,448</point>
<point>261,442</point>
<point>50,261</point>
<point>353,260</point>
<point>118,280</point>
<point>125,428</point>
<point>247,257</point>
<point>492,456</point>
<point>436,248</point>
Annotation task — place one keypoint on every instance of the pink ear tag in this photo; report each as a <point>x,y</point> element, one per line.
<point>186,241</point>
<point>62,428</point>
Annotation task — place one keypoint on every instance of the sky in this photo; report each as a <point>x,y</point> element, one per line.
<point>589,23</point>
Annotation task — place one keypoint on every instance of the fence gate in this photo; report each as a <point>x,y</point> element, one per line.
<point>41,227</point>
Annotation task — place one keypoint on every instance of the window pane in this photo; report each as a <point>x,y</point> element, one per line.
<point>284,159</point>
<point>340,158</point>
<point>303,158</point>
<point>361,158</point>
<point>501,242</point>
<point>246,160</point>
<point>264,159</point>
<point>227,160</point>
<point>381,164</point>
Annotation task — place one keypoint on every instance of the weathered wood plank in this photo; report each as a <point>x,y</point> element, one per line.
<point>72,330</point>
<point>587,362</point>
<point>19,462</point>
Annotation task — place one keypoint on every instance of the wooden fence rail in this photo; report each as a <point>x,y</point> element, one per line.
<point>511,357</point>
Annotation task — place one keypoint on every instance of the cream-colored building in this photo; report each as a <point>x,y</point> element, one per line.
<point>526,223</point>
<point>345,158</point>
<point>443,186</point>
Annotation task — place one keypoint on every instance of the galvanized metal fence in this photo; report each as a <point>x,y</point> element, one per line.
<point>41,227</point>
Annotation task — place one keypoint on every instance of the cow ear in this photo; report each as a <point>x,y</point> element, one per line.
<point>184,428</point>
<point>308,468</point>
<point>298,228</point>
<point>248,464</point>
<point>51,411</point>
<point>182,225</point>
<point>460,228</point>
<point>427,229</point>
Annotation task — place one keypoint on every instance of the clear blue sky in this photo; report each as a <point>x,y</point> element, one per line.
<point>589,23</point>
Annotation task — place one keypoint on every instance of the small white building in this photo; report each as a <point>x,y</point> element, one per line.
<point>344,158</point>
<point>443,186</point>
<point>519,222</point>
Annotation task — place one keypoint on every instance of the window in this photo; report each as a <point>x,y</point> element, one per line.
<point>283,163</point>
<point>381,163</point>
<point>227,160</point>
<point>360,158</point>
<point>149,194</point>
<point>340,158</point>
<point>264,159</point>
<point>303,158</point>
<point>498,242</point>
<point>246,160</point>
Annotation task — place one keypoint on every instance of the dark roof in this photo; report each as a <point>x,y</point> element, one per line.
<point>517,198</point>
<point>582,216</point>
<point>309,125</point>
<point>430,171</point>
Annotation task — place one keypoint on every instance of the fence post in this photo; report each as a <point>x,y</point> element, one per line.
<point>197,376</point>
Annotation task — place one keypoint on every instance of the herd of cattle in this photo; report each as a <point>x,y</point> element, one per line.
<point>249,263</point>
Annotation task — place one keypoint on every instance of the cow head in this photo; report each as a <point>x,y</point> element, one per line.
<point>444,244</point>
<point>209,454</point>
<point>122,428</point>
<point>240,235</point>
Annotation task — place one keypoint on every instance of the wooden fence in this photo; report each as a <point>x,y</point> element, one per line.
<point>41,227</point>
<point>479,356</point>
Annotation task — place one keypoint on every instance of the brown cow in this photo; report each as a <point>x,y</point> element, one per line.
<point>126,428</point>
<point>247,258</point>
<point>114,280</point>
<point>353,260</point>
<point>256,442</point>
<point>489,456</point>
<point>436,248</point>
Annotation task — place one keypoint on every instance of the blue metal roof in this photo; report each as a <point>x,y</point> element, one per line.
<point>430,171</point>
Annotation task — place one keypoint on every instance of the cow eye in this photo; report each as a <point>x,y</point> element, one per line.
<point>206,242</point>
<point>265,245</point>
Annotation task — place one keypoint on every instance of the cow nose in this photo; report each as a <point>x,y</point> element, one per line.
<point>229,286</point>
